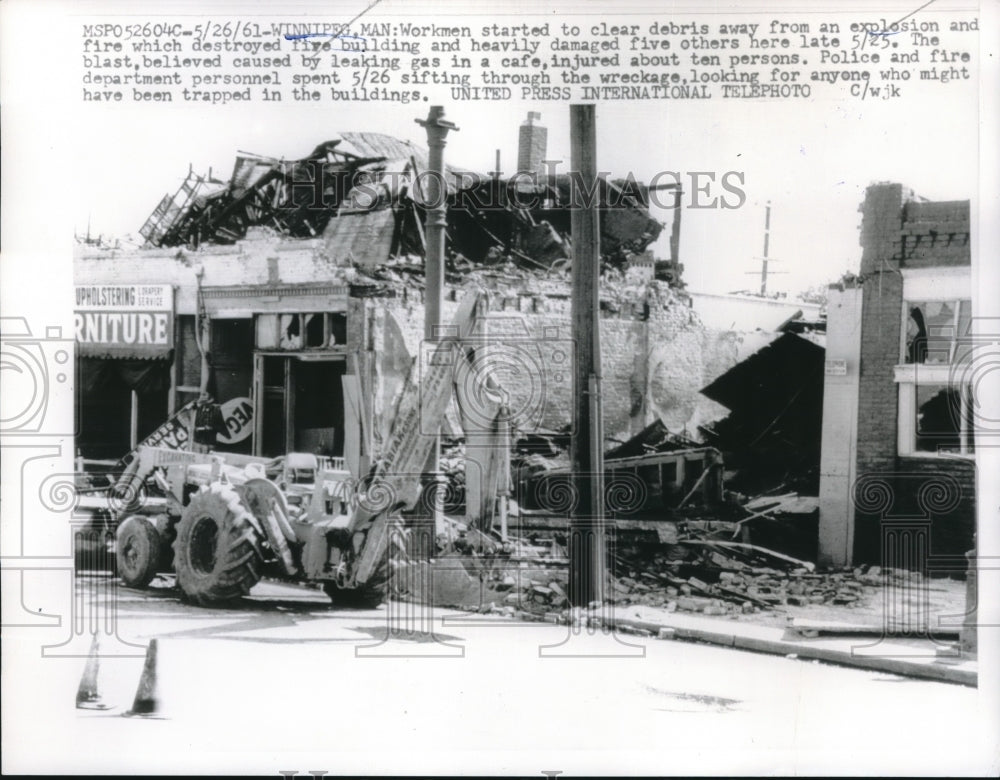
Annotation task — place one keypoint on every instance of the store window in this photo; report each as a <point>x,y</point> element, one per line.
<point>943,419</point>
<point>119,403</point>
<point>935,411</point>
<point>302,404</point>
<point>935,329</point>
<point>301,331</point>
<point>300,392</point>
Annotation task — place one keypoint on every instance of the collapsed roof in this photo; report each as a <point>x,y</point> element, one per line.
<point>362,192</point>
<point>775,398</point>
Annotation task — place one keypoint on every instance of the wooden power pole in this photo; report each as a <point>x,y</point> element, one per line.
<point>587,543</point>
<point>764,270</point>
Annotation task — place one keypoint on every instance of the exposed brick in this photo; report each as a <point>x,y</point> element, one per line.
<point>888,220</point>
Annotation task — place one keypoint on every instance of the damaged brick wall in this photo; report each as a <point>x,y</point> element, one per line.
<point>264,260</point>
<point>898,231</point>
<point>881,323</point>
<point>656,356</point>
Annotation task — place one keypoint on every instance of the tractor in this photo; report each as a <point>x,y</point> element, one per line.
<point>228,520</point>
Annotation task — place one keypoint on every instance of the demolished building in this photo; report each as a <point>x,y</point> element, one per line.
<point>293,292</point>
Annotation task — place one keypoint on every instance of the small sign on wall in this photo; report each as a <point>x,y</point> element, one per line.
<point>836,367</point>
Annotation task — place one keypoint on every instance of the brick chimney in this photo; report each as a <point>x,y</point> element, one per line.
<point>531,144</point>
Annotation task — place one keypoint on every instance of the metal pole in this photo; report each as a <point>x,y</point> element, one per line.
<point>133,424</point>
<point>503,485</point>
<point>767,239</point>
<point>435,194</point>
<point>675,231</point>
<point>587,553</point>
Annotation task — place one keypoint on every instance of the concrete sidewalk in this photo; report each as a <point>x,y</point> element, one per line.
<point>910,656</point>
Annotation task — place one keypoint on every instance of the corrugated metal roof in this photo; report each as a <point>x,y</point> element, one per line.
<point>380,145</point>
<point>362,237</point>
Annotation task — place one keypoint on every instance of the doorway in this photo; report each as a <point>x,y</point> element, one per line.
<point>301,402</point>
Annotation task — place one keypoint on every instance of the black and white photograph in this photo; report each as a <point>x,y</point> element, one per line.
<point>401,388</point>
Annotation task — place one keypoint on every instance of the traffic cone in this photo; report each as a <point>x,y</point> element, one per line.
<point>87,695</point>
<point>146,702</point>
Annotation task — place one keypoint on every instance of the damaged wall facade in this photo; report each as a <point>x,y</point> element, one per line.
<point>296,291</point>
<point>277,313</point>
<point>902,482</point>
<point>656,353</point>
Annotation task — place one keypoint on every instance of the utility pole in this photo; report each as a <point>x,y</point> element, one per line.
<point>588,563</point>
<point>435,194</point>
<point>767,239</point>
<point>765,259</point>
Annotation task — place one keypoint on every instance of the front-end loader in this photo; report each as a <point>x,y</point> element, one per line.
<point>230,520</point>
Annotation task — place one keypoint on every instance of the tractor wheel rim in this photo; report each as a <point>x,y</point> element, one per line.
<point>131,554</point>
<point>204,541</point>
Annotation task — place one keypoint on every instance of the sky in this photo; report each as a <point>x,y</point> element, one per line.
<point>812,159</point>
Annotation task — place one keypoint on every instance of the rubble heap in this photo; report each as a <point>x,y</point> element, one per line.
<point>363,194</point>
<point>701,573</point>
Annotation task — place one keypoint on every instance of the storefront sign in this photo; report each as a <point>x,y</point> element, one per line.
<point>238,414</point>
<point>172,434</point>
<point>125,320</point>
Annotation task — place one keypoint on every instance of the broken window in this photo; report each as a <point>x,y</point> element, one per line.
<point>187,358</point>
<point>290,331</point>
<point>311,330</point>
<point>943,419</point>
<point>935,329</point>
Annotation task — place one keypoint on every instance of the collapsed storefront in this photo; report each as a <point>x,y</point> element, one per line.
<point>296,294</point>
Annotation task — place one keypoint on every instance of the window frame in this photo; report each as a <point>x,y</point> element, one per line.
<point>908,377</point>
<point>955,337</point>
<point>946,284</point>
<point>328,332</point>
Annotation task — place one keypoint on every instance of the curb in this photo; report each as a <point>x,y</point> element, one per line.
<point>929,670</point>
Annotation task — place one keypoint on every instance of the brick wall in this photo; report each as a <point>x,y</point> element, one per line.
<point>951,530</point>
<point>531,145</point>
<point>881,325</point>
<point>935,234</point>
<point>655,356</point>
<point>898,230</point>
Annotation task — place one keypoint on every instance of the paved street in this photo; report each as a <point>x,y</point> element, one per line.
<point>284,682</point>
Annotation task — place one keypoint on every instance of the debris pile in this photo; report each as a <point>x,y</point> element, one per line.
<point>722,591</point>
<point>708,571</point>
<point>701,573</point>
<point>362,193</point>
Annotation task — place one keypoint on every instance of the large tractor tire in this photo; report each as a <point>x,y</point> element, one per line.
<point>137,550</point>
<point>217,554</point>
